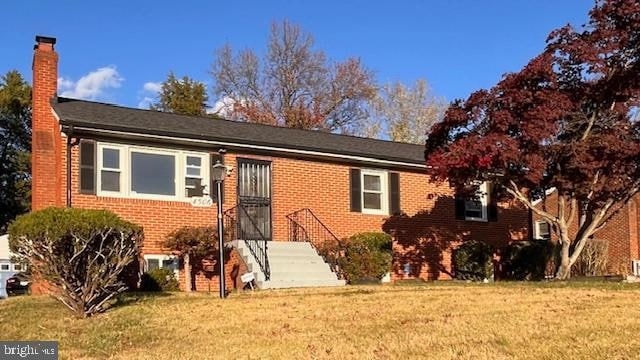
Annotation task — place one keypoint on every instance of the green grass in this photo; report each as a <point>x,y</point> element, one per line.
<point>443,320</point>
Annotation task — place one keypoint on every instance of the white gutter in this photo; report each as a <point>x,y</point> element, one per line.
<point>260,147</point>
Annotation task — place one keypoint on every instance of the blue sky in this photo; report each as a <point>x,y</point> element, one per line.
<point>116,47</point>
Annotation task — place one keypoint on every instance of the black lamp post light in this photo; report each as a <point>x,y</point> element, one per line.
<point>218,173</point>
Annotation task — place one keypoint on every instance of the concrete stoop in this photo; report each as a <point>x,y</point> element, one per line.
<point>293,265</point>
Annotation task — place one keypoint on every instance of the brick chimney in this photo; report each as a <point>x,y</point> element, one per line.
<point>46,141</point>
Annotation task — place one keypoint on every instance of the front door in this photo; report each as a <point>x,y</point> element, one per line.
<point>254,195</point>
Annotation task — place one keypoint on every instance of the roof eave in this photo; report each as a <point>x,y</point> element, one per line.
<point>89,128</point>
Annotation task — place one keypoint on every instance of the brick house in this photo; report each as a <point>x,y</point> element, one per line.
<point>154,168</point>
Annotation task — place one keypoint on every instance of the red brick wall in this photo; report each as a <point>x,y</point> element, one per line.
<point>424,238</point>
<point>46,143</point>
<point>634,228</point>
<point>621,233</point>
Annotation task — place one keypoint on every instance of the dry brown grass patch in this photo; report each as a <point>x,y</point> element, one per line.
<point>440,321</point>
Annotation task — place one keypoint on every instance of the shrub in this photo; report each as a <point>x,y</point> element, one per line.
<point>527,260</point>
<point>159,280</point>
<point>367,256</point>
<point>79,252</point>
<point>192,244</point>
<point>332,251</point>
<point>593,259</point>
<point>473,261</point>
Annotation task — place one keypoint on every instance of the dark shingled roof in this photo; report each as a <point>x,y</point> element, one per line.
<point>111,117</point>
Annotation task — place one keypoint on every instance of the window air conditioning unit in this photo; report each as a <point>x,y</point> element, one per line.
<point>635,267</point>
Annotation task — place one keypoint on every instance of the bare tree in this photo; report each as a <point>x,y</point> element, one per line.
<point>407,113</point>
<point>293,85</point>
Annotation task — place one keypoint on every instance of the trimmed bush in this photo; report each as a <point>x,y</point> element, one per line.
<point>367,257</point>
<point>473,261</point>
<point>527,260</point>
<point>159,280</point>
<point>82,253</point>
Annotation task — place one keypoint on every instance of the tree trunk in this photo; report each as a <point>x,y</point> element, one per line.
<point>564,270</point>
<point>187,273</point>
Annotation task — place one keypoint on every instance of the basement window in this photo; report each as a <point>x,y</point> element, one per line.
<point>161,261</point>
<point>542,230</point>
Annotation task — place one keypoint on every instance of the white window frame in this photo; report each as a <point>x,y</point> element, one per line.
<point>8,267</point>
<point>22,268</point>
<point>126,151</point>
<point>536,230</point>
<point>176,173</point>
<point>384,192</point>
<point>123,165</point>
<point>204,165</point>
<point>483,198</point>
<point>161,258</point>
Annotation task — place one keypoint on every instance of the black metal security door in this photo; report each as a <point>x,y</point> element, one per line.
<point>254,195</point>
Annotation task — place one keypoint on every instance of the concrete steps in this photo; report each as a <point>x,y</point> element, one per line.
<point>292,264</point>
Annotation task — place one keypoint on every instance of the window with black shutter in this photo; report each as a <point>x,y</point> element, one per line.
<point>482,207</point>
<point>394,194</point>
<point>355,190</point>
<point>87,167</point>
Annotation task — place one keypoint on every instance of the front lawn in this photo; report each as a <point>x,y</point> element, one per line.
<point>437,320</point>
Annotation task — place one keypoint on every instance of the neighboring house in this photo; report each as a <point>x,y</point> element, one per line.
<point>621,233</point>
<point>7,268</point>
<point>153,168</point>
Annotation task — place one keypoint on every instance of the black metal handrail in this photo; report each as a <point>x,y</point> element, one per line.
<point>305,226</point>
<point>246,229</point>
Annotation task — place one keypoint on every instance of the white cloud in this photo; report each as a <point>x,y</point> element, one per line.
<point>148,94</point>
<point>152,87</point>
<point>222,107</point>
<point>91,86</point>
<point>145,102</point>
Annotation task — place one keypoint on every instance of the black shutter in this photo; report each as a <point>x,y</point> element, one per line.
<point>492,204</point>
<point>460,208</point>
<point>394,193</point>
<point>356,190</point>
<point>214,187</point>
<point>88,167</point>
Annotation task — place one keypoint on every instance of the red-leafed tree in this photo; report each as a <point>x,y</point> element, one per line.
<point>567,121</point>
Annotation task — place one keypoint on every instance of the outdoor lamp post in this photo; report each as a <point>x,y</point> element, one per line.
<point>218,173</point>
